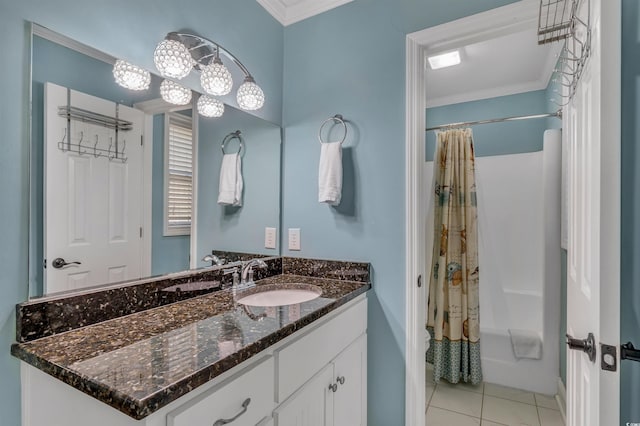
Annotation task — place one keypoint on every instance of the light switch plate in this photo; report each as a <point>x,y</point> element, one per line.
<point>269,238</point>
<point>294,238</point>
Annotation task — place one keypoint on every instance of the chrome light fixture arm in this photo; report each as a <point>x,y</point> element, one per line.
<point>194,43</point>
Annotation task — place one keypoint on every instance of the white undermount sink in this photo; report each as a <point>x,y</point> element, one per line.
<point>280,295</point>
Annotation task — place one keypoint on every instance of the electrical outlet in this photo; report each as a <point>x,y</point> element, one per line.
<point>294,238</point>
<point>270,238</point>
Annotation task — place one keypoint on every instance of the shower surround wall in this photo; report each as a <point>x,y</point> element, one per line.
<point>519,249</point>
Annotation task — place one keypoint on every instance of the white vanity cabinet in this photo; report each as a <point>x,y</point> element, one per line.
<point>243,400</point>
<point>336,396</point>
<point>288,384</point>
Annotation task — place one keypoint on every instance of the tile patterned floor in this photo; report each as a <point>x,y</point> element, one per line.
<point>488,405</point>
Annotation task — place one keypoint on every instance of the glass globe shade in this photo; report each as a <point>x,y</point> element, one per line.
<point>216,79</point>
<point>174,93</point>
<point>210,107</point>
<point>250,96</point>
<point>131,76</point>
<point>172,59</point>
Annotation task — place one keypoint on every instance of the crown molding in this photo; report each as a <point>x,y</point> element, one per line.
<point>289,14</point>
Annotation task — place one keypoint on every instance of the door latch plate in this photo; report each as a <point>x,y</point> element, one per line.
<point>609,358</point>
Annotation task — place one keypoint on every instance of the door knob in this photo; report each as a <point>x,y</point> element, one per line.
<point>59,262</point>
<point>587,345</point>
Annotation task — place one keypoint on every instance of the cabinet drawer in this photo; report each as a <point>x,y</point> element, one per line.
<point>226,400</point>
<point>302,359</point>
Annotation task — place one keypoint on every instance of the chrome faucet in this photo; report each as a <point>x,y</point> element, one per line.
<point>247,272</point>
<point>215,260</point>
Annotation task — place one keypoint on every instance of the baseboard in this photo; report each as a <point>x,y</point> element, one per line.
<point>561,399</point>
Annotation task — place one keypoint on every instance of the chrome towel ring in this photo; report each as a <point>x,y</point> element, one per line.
<point>231,136</point>
<point>336,119</point>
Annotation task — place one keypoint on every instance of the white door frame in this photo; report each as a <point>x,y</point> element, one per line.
<point>150,108</point>
<point>472,29</point>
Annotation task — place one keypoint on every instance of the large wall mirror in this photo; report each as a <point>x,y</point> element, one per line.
<point>110,205</point>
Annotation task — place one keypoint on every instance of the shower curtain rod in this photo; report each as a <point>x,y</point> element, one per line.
<point>495,120</point>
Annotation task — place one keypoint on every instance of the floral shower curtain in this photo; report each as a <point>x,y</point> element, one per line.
<point>453,307</point>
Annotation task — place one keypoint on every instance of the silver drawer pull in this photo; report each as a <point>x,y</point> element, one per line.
<point>245,406</point>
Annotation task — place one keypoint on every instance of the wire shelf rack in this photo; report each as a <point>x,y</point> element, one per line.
<point>556,20</point>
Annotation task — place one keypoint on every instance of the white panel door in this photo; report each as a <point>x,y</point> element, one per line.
<point>312,405</point>
<point>93,204</point>
<point>350,399</point>
<point>594,224</point>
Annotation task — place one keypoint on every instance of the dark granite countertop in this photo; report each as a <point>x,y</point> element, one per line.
<point>141,362</point>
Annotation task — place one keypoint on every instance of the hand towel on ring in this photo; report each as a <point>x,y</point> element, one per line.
<point>230,187</point>
<point>330,173</point>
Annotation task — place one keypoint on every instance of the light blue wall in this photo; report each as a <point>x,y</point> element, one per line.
<point>239,229</point>
<point>132,36</point>
<point>630,244</point>
<point>351,60</point>
<point>511,137</point>
<point>168,254</point>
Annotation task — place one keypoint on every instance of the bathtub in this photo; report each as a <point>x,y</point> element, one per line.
<point>520,275</point>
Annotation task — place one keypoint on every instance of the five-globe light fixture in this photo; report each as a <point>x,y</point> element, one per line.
<point>175,57</point>
<point>179,53</point>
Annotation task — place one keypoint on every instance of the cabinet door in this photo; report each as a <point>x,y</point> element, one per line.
<point>350,400</point>
<point>312,405</point>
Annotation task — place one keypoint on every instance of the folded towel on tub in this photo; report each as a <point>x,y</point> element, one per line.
<point>526,344</point>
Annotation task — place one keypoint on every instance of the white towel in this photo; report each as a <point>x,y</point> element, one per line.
<point>526,344</point>
<point>330,173</point>
<point>230,189</point>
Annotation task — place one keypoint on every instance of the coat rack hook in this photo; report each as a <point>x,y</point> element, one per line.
<point>80,150</point>
<point>96,154</point>
<point>111,157</point>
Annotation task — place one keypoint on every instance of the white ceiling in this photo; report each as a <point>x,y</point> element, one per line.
<point>291,11</point>
<point>504,65</point>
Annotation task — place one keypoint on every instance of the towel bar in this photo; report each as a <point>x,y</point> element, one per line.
<point>230,136</point>
<point>336,118</point>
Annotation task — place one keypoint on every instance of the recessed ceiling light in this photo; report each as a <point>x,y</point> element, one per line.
<point>444,60</point>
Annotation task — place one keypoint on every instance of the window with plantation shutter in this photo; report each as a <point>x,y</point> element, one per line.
<point>178,174</point>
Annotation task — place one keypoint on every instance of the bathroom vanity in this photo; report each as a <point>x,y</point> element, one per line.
<point>207,360</point>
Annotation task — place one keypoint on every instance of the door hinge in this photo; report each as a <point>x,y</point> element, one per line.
<point>608,357</point>
<point>141,232</point>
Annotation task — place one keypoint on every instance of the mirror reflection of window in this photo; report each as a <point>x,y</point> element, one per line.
<point>178,174</point>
